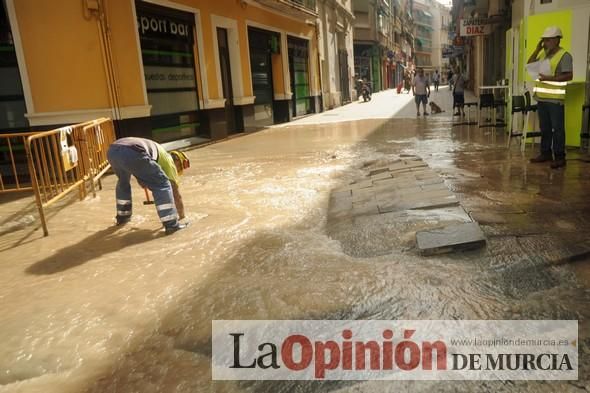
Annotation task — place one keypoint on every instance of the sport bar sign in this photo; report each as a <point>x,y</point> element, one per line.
<point>475,26</point>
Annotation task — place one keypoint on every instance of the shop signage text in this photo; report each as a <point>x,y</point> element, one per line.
<point>475,26</point>
<point>152,25</point>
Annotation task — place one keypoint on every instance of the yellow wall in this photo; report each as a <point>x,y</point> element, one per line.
<point>278,82</point>
<point>125,53</point>
<point>230,9</point>
<point>536,24</point>
<point>63,57</point>
<point>66,67</point>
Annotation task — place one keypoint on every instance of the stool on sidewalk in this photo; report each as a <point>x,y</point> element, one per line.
<point>516,123</point>
<point>531,122</point>
<point>486,101</point>
<point>500,103</point>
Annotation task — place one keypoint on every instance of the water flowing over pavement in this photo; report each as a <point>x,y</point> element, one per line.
<point>99,308</point>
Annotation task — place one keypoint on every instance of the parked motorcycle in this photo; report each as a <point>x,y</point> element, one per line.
<point>366,92</point>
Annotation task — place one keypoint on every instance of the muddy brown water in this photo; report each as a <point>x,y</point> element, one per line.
<point>96,308</point>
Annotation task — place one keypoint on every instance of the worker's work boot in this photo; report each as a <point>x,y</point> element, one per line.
<point>558,163</point>
<point>541,158</point>
<point>122,220</point>
<point>171,230</point>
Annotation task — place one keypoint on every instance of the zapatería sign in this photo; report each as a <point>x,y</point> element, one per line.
<point>475,26</point>
<point>395,350</point>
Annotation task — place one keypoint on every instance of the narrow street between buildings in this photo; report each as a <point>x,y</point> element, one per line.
<point>99,308</point>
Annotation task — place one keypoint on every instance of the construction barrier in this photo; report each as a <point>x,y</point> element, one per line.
<point>97,137</point>
<point>14,172</point>
<point>66,159</point>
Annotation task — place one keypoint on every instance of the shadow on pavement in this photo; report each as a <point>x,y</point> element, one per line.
<point>94,246</point>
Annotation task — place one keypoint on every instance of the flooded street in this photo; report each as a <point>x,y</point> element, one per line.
<point>99,308</point>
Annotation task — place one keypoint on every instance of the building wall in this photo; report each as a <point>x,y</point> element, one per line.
<point>335,19</point>
<point>530,18</point>
<point>66,75</point>
<point>58,62</point>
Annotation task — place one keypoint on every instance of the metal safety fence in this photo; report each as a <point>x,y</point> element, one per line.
<point>67,159</point>
<point>14,173</point>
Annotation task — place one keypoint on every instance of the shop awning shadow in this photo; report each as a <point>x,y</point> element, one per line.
<point>92,247</point>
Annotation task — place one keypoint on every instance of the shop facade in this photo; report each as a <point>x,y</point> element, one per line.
<point>172,71</point>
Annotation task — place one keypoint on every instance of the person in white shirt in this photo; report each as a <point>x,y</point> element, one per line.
<point>436,79</point>
<point>421,90</point>
<point>459,94</point>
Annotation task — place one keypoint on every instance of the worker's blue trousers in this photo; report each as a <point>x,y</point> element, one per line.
<point>127,161</point>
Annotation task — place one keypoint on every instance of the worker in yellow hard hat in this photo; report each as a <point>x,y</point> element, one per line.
<point>155,169</point>
<point>549,91</point>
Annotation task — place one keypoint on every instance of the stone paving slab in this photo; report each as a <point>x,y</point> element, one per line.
<point>382,175</point>
<point>451,238</point>
<point>394,191</point>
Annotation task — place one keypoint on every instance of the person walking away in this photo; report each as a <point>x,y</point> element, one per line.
<point>421,90</point>
<point>459,94</point>
<point>155,169</point>
<point>549,91</point>
<point>450,79</point>
<point>407,82</point>
<point>436,79</point>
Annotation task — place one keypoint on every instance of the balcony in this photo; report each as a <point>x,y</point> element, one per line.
<point>294,8</point>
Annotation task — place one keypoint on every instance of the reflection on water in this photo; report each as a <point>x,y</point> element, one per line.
<point>99,309</point>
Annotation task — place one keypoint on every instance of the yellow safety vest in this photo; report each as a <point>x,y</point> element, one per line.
<point>547,89</point>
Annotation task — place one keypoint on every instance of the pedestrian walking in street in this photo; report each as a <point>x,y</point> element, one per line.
<point>549,91</point>
<point>407,82</point>
<point>450,79</point>
<point>436,79</point>
<point>421,90</point>
<point>459,94</point>
<point>155,169</point>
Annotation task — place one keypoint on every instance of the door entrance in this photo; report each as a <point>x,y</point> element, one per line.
<point>344,78</point>
<point>167,39</point>
<point>226,82</point>
<point>12,100</point>
<point>299,70</point>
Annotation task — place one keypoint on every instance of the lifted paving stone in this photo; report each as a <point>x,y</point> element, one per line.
<point>406,186</point>
<point>451,238</point>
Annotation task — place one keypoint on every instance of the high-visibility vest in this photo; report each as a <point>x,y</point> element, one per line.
<point>551,90</point>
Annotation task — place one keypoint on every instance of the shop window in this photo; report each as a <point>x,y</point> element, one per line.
<point>299,70</point>
<point>167,48</point>
<point>262,44</point>
<point>12,101</point>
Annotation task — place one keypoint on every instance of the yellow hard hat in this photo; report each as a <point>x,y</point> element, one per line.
<point>182,159</point>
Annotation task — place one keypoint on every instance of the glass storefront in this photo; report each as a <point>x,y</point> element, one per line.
<point>167,47</point>
<point>12,101</point>
<point>261,68</point>
<point>299,70</point>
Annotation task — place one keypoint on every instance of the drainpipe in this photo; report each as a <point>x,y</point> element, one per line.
<point>97,8</point>
<point>319,61</point>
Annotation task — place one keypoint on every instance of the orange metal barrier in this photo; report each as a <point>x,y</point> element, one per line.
<point>14,171</point>
<point>64,159</point>
<point>98,136</point>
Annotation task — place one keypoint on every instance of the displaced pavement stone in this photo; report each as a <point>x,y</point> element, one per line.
<point>382,175</point>
<point>395,191</point>
<point>451,238</point>
<point>341,194</point>
<point>378,171</point>
<point>361,184</point>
